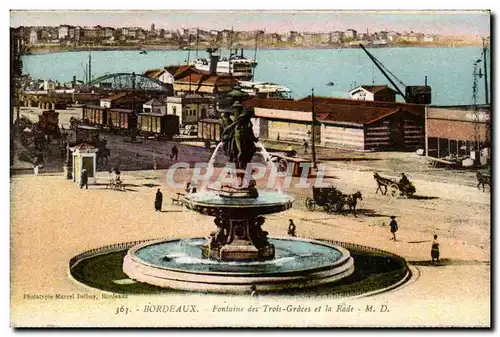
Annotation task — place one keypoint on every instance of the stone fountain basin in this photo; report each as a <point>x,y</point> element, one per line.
<point>178,264</point>
<point>267,202</point>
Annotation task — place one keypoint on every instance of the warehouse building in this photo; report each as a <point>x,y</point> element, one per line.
<point>461,131</point>
<point>349,126</point>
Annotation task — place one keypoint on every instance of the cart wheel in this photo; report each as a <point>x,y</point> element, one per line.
<point>394,190</point>
<point>282,165</point>
<point>310,204</point>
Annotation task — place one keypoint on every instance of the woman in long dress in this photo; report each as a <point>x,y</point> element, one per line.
<point>158,200</point>
<point>435,249</point>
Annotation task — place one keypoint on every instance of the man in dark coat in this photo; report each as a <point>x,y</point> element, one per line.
<point>291,228</point>
<point>175,152</point>
<point>394,227</point>
<point>158,200</point>
<point>84,179</point>
<point>404,180</point>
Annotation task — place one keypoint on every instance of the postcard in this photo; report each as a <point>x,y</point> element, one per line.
<point>250,168</point>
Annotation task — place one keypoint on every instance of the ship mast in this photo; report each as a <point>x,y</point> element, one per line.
<point>230,61</point>
<point>255,50</point>
<point>189,59</point>
<point>90,66</point>
<point>197,41</point>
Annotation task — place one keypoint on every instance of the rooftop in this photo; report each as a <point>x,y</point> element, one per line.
<point>82,146</point>
<point>204,79</point>
<point>114,97</point>
<point>154,102</point>
<point>374,88</point>
<point>327,111</point>
<point>417,109</point>
<point>154,73</point>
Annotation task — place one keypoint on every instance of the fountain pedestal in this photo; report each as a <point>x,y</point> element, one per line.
<point>239,237</point>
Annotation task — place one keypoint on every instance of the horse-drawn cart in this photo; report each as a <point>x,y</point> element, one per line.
<point>394,188</point>
<point>332,200</point>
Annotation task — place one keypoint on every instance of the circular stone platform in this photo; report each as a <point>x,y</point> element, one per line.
<point>210,203</point>
<point>178,264</point>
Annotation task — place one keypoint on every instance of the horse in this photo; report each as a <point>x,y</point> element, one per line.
<point>378,179</point>
<point>352,200</point>
<point>483,180</point>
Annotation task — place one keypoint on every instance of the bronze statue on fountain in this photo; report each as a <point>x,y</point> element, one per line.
<point>239,234</point>
<point>239,145</point>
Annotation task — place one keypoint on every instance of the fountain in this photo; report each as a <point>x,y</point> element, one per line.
<point>239,255</point>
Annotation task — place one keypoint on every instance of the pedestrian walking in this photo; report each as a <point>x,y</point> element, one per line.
<point>253,289</point>
<point>35,169</point>
<point>435,249</point>
<point>291,228</point>
<point>84,179</point>
<point>306,146</point>
<point>394,227</point>
<point>155,163</point>
<point>175,152</point>
<point>158,200</point>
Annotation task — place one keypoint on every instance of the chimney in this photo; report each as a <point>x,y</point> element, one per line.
<point>214,59</point>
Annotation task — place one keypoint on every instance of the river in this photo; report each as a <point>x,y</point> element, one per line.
<point>449,70</point>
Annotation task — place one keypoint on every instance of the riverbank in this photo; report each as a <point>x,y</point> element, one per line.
<point>166,47</point>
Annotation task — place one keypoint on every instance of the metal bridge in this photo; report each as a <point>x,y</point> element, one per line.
<point>129,81</point>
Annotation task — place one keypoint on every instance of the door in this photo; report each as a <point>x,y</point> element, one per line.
<point>88,164</point>
<point>397,131</point>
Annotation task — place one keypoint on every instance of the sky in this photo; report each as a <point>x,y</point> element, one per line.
<point>463,23</point>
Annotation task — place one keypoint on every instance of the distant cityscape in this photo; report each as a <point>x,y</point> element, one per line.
<point>39,39</point>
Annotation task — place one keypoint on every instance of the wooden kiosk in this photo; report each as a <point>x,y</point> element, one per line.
<point>84,157</point>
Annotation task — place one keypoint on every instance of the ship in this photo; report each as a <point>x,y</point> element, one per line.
<point>236,65</point>
<point>265,90</point>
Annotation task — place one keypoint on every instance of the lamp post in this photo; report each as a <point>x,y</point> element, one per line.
<point>68,166</point>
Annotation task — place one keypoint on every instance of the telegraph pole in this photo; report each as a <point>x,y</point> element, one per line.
<point>313,133</point>
<point>485,65</point>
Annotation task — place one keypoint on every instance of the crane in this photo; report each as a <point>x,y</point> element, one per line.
<point>414,94</point>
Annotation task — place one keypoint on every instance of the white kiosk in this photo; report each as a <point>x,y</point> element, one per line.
<point>84,157</point>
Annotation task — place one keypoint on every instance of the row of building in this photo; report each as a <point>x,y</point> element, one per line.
<point>67,34</point>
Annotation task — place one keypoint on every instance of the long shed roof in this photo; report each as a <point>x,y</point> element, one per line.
<point>325,111</point>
